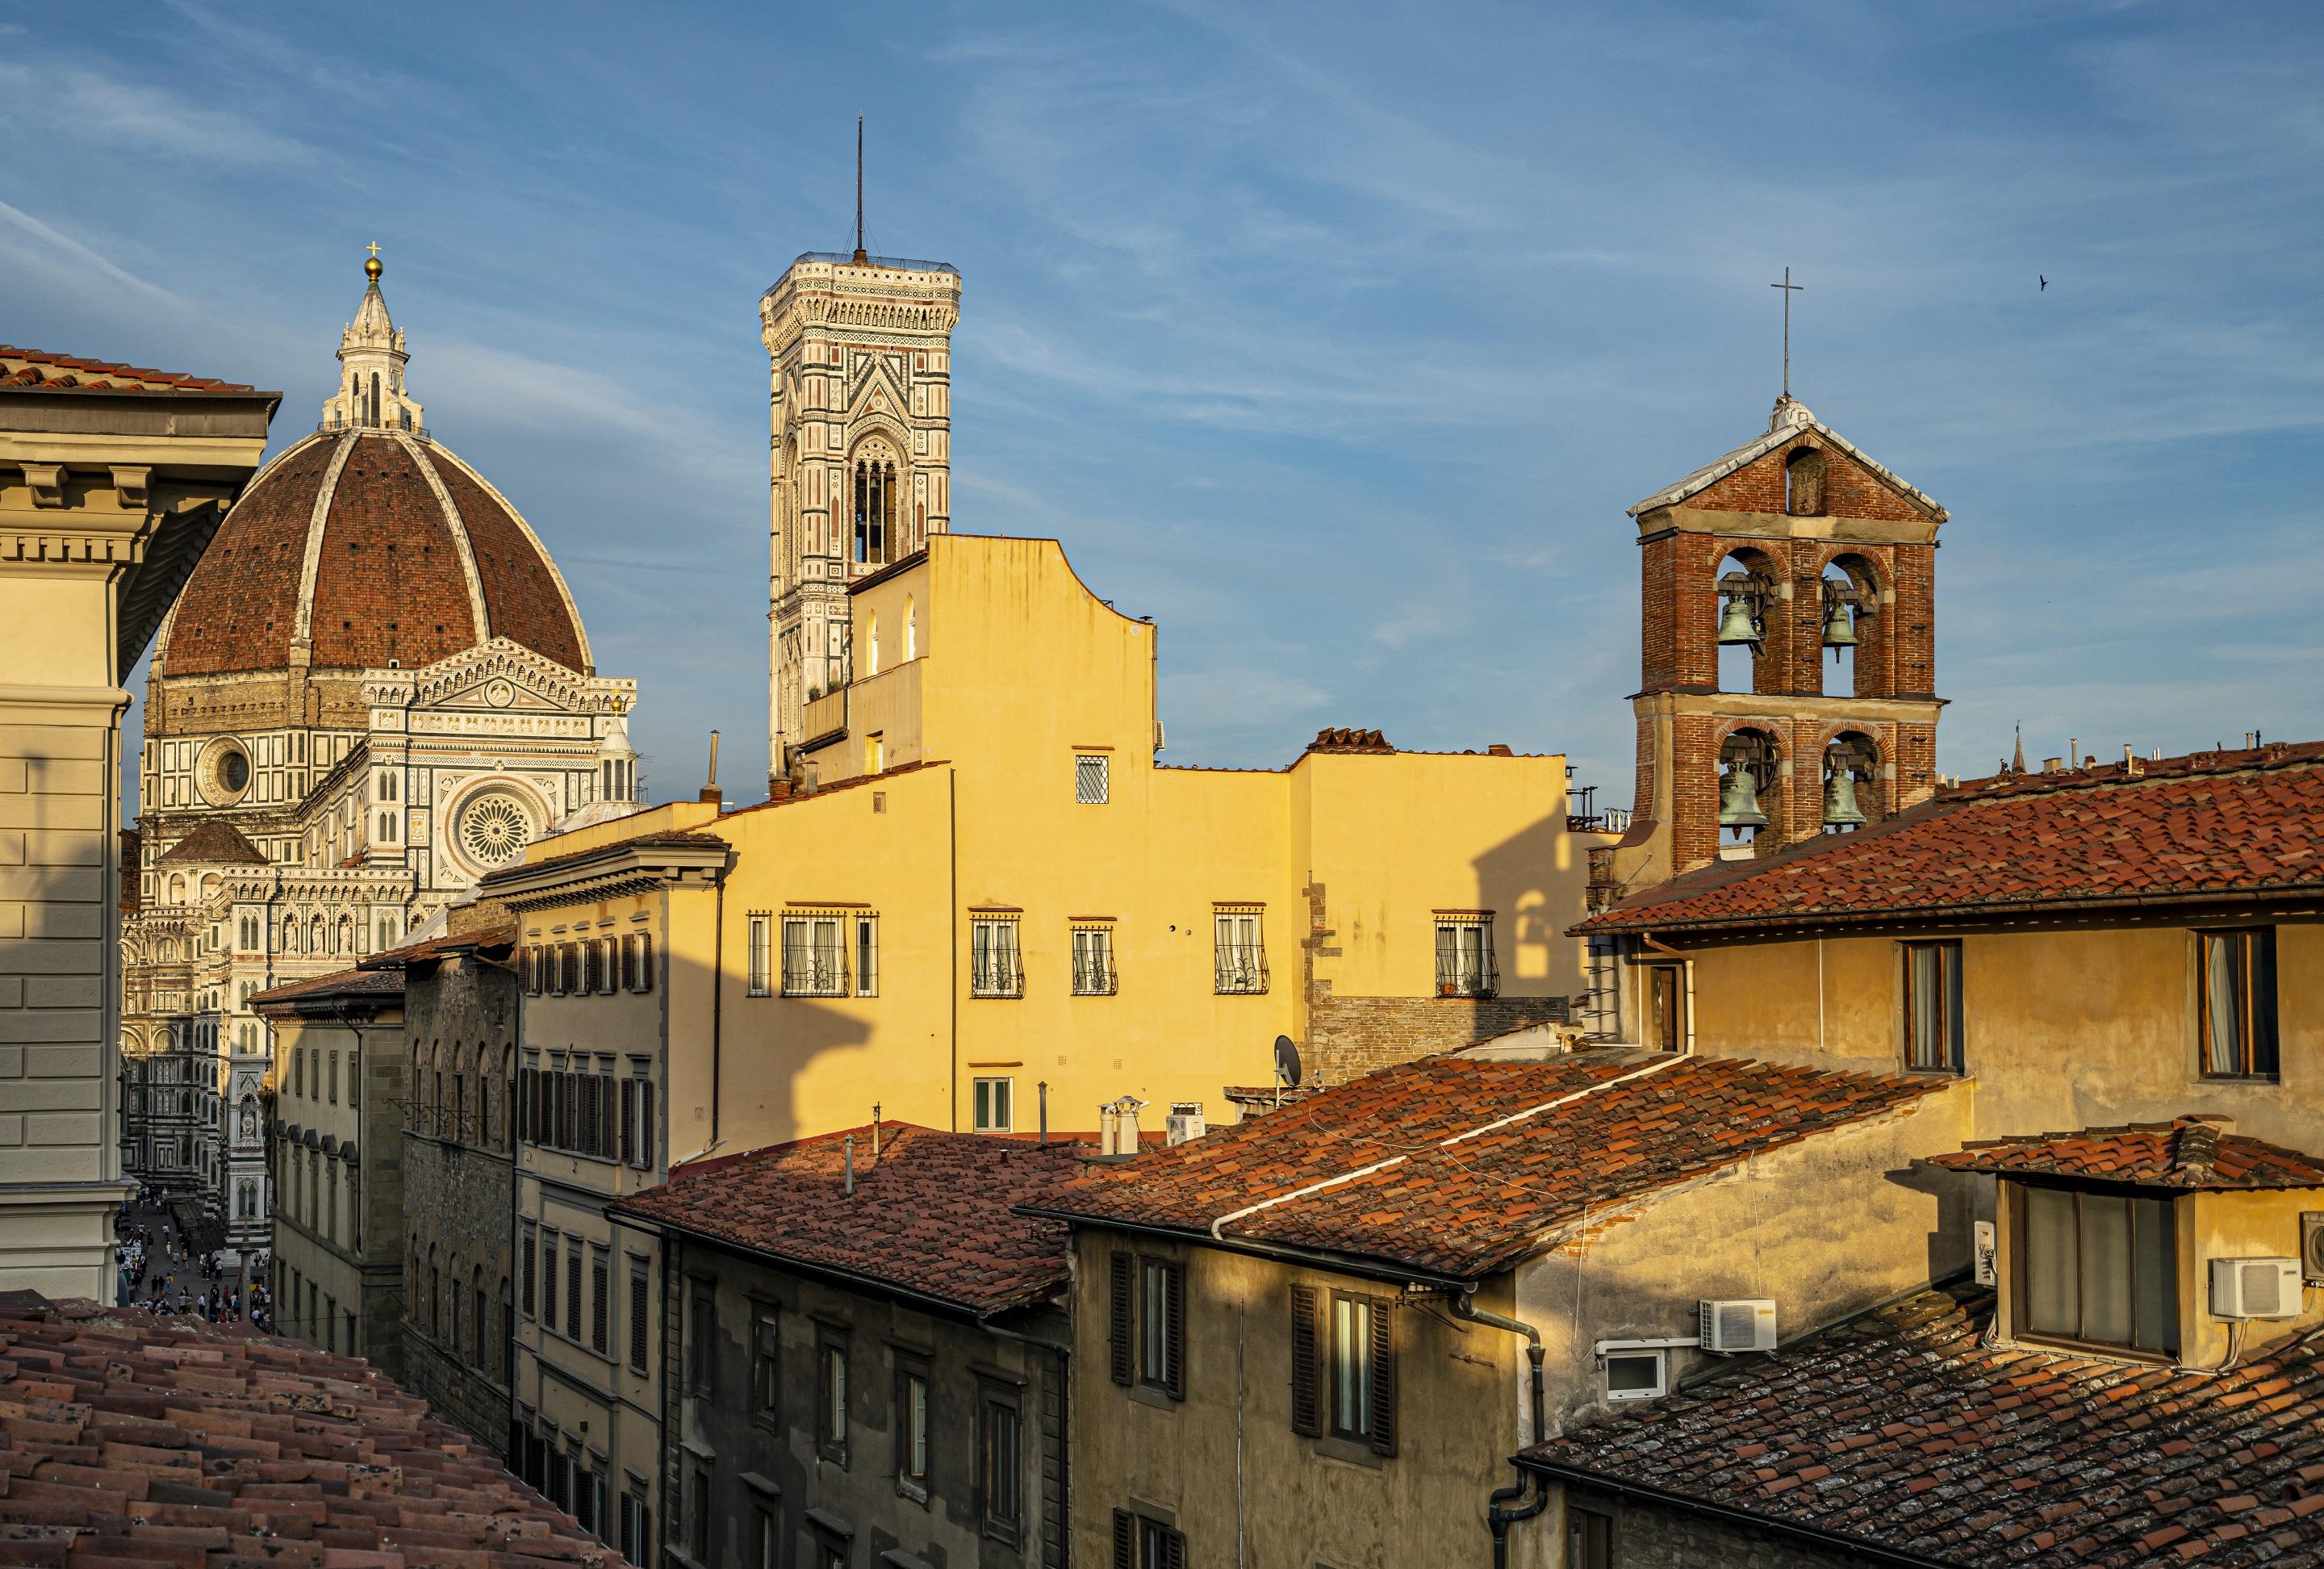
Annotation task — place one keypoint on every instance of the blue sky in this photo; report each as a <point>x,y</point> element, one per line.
<point>1336,339</point>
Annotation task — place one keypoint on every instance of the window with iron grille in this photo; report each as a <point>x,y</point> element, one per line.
<point>763,955</point>
<point>814,964</point>
<point>1089,778</point>
<point>1464,956</point>
<point>1241,951</point>
<point>867,955</point>
<point>994,970</point>
<point>1093,961</point>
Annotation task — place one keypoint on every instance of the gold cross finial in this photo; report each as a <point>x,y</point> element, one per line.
<point>372,269</point>
<point>373,247</point>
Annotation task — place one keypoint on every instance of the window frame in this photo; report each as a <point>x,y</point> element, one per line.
<point>983,1091</point>
<point>912,1374</point>
<point>867,955</point>
<point>1097,766</point>
<point>999,1479</point>
<point>1093,972</point>
<point>766,1393</point>
<point>1246,975</point>
<point>1455,976</point>
<point>1951,1005</point>
<point>831,1381</point>
<point>2257,1002</point>
<point>821,969</point>
<point>2018,1195</point>
<point>987,954</point>
<point>1666,1005</point>
<point>759,976</point>
<point>702,1339</point>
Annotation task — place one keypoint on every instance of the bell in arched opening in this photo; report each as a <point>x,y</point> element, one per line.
<point>1840,624</point>
<point>1736,624</point>
<point>1738,798</point>
<point>1839,807</point>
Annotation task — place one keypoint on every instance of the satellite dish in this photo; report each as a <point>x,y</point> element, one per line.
<point>1287,1060</point>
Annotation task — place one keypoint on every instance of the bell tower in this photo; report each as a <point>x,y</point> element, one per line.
<point>860,416</point>
<point>1788,639</point>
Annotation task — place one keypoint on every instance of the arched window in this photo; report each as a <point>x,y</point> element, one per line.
<point>1746,606</point>
<point>875,509</point>
<point>1851,783</point>
<point>177,888</point>
<point>1804,482</point>
<point>373,418</point>
<point>911,630</point>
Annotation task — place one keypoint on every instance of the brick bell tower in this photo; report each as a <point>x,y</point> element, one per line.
<point>1789,548</point>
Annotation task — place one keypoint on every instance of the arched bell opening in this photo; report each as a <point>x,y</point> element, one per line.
<point>1750,801</point>
<point>1853,631</point>
<point>1747,600</point>
<point>1851,783</point>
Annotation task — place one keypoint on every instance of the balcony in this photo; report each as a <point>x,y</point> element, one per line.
<point>823,717</point>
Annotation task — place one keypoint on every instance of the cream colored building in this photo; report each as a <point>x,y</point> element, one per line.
<point>113,478</point>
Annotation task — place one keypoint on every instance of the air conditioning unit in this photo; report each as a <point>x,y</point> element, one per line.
<point>1737,1324</point>
<point>1185,1121</point>
<point>2311,1246</point>
<point>2255,1287</point>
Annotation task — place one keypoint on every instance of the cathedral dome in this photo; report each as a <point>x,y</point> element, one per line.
<point>368,544</point>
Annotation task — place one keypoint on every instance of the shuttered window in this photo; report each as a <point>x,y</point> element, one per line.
<point>1363,1371</point>
<point>1146,1329</point>
<point>1117,1329</point>
<point>529,1300</point>
<point>1141,1542</point>
<point>600,1308</point>
<point>1306,1409</point>
<point>637,1318</point>
<point>573,1291</point>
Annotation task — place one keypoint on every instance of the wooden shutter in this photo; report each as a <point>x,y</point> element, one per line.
<point>1119,1341</point>
<point>1173,1297</point>
<point>645,1124</point>
<point>1383,1318</point>
<point>629,1123</point>
<point>645,961</point>
<point>1125,1535</point>
<point>1306,1406</point>
<point>1174,1549</point>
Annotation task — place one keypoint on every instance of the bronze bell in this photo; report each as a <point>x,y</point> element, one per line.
<point>1840,626</point>
<point>1839,799</point>
<point>1735,623</point>
<point>1739,800</point>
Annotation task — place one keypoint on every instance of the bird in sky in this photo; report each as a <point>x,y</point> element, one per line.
<point>2046,283</point>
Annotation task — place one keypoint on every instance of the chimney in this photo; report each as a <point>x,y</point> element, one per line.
<point>850,1143</point>
<point>1045,1110</point>
<point>710,791</point>
<point>875,1132</point>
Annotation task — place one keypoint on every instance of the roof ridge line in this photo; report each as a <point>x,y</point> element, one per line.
<point>1312,1189</point>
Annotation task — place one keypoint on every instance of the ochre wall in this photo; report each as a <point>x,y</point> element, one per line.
<point>2062,1027</point>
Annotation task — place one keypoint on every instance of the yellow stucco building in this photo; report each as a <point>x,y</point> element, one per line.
<point>984,885</point>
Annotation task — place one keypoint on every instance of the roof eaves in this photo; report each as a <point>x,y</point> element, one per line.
<point>1718,468</point>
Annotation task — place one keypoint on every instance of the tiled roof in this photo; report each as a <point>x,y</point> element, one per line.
<point>498,934</point>
<point>934,1214</point>
<point>1457,1167</point>
<point>361,984</point>
<point>682,838</point>
<point>130,1440</point>
<point>217,842</point>
<point>1898,1429</point>
<point>2193,1153</point>
<point>2208,827</point>
<point>1343,740</point>
<point>33,367</point>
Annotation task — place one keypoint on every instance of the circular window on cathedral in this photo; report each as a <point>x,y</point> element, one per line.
<point>494,829</point>
<point>223,771</point>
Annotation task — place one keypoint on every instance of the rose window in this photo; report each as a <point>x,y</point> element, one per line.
<point>493,830</point>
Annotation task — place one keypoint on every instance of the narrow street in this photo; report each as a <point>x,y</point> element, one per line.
<point>168,1275</point>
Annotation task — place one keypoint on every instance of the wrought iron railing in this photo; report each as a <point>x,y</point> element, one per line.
<point>1241,967</point>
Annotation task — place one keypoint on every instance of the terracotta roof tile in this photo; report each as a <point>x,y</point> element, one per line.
<point>1899,1429</point>
<point>2192,1153</point>
<point>215,842</point>
<point>33,367</point>
<point>1457,1167</point>
<point>366,983</point>
<point>149,1443</point>
<point>2205,826</point>
<point>935,1213</point>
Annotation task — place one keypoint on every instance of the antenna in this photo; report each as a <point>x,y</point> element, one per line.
<point>861,258</point>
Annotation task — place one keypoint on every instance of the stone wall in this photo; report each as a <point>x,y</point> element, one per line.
<point>1657,1537</point>
<point>1349,1036</point>
<point>459,1212</point>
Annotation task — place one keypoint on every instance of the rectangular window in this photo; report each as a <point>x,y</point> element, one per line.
<point>702,1349</point>
<point>1666,1008</point>
<point>1464,957</point>
<point>2237,994</point>
<point>814,964</point>
<point>608,961</point>
<point>993,967</point>
<point>1162,1326</point>
<point>600,1307</point>
<point>1932,1007</point>
<point>912,1431</point>
<point>763,955</point>
<point>1241,952</point>
<point>573,1289</point>
<point>1001,1468</point>
<point>766,1363</point>
<point>1089,778</point>
<point>994,1108</point>
<point>1589,1539</point>
<point>638,1310</point>
<point>645,980</point>
<point>768,1538</point>
<point>1093,961</point>
<point>1352,1367</point>
<point>831,1398</point>
<point>697,1520</point>
<point>867,955</point>
<point>1141,1542</point>
<point>2097,1267</point>
<point>548,1280</point>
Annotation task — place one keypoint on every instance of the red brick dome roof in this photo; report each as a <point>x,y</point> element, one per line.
<point>369,545</point>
